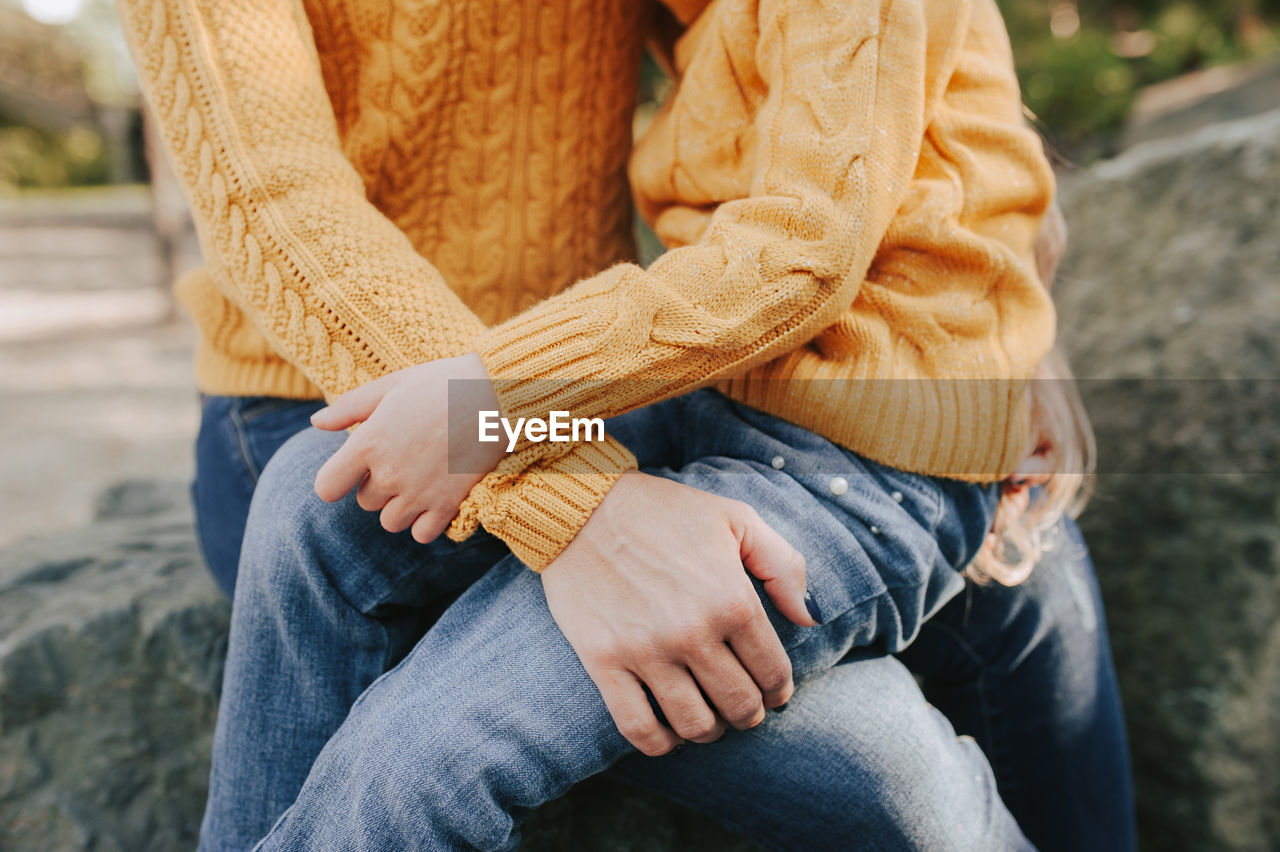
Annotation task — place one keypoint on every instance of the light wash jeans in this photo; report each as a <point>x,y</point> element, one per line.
<point>454,736</point>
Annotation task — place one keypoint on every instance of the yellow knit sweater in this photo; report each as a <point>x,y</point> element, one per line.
<point>846,190</point>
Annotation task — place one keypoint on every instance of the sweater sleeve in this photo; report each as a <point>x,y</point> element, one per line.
<point>791,153</point>
<point>290,237</point>
<point>287,232</point>
<point>782,156</point>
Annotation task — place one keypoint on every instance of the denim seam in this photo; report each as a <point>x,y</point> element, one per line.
<point>194,496</point>
<point>998,755</point>
<point>387,672</point>
<point>242,442</point>
<point>935,497</point>
<point>386,653</point>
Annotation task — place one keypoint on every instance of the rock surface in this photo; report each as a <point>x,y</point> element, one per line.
<point>110,662</point>
<point>1170,308</point>
<point>111,638</point>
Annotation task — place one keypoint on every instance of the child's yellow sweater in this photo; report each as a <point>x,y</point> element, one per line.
<point>846,189</point>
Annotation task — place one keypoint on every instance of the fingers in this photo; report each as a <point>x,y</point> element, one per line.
<point>759,650</point>
<point>398,512</point>
<point>629,707</point>
<point>729,687</point>
<point>684,705</point>
<point>778,565</point>
<point>343,471</point>
<point>397,515</point>
<point>428,527</point>
<point>347,469</point>
<point>372,495</point>
<point>354,406</point>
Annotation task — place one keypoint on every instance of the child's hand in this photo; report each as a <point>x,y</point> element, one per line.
<point>400,456</point>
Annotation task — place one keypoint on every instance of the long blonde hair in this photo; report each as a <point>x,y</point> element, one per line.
<point>1027,519</point>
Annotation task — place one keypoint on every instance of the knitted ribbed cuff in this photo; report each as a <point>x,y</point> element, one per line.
<point>537,509</point>
<point>566,354</point>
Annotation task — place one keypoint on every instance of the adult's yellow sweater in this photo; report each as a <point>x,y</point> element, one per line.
<point>845,188</point>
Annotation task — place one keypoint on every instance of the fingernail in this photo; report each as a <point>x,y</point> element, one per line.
<point>814,610</point>
<point>676,750</point>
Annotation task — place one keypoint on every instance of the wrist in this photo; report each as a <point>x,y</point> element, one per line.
<point>540,510</point>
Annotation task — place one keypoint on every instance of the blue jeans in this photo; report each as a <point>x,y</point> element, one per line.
<point>238,436</point>
<point>490,714</point>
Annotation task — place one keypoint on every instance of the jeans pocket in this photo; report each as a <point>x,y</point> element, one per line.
<point>263,424</point>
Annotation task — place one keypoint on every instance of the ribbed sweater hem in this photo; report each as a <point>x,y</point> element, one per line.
<point>974,430</point>
<point>220,374</point>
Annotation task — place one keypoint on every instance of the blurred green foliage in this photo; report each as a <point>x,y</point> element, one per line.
<point>66,94</point>
<point>1081,63</point>
<point>32,158</point>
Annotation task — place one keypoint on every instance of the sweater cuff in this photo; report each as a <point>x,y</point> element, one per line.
<point>569,352</point>
<point>537,509</point>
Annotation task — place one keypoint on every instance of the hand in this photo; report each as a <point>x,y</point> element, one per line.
<point>400,456</point>
<point>652,592</point>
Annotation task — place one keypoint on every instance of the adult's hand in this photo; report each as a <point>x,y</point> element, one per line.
<point>652,592</point>
<point>400,455</point>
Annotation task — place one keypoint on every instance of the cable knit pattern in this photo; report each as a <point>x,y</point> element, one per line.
<point>850,200</point>
<point>846,189</point>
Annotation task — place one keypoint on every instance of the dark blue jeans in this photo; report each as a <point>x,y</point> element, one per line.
<point>1024,671</point>
<point>238,436</point>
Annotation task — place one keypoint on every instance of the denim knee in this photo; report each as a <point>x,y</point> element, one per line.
<point>1055,613</point>
<point>418,772</point>
<point>858,760</point>
<point>902,778</point>
<point>288,524</point>
<point>433,792</point>
<point>285,493</point>
<point>490,715</point>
